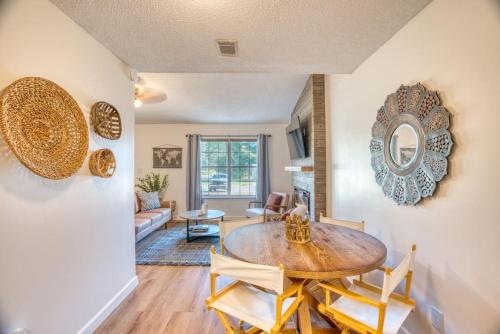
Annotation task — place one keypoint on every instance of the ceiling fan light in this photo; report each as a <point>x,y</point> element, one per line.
<point>137,103</point>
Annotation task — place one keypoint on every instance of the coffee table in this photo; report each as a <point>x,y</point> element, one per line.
<point>193,215</point>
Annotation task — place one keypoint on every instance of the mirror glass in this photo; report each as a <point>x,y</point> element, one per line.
<point>404,142</point>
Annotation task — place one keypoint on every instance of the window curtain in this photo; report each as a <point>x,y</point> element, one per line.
<point>263,174</point>
<point>193,180</point>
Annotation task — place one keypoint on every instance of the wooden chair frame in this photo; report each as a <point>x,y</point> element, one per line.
<point>281,319</point>
<point>350,323</point>
<point>276,208</point>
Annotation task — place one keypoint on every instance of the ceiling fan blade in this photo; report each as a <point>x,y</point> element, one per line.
<point>150,95</point>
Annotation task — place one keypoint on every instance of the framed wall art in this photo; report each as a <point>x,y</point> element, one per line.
<point>167,157</point>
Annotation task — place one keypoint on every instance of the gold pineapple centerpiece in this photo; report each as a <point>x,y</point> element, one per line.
<point>298,228</point>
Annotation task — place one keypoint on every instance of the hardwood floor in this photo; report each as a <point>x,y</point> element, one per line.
<point>167,300</point>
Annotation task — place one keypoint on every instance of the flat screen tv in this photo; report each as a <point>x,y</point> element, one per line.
<point>296,142</point>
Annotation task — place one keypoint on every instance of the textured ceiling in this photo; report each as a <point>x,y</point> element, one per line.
<point>222,97</point>
<point>313,36</point>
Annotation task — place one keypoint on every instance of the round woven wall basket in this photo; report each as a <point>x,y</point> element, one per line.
<point>106,120</point>
<point>44,127</point>
<point>102,163</point>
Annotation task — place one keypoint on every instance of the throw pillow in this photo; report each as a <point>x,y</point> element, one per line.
<point>274,200</point>
<point>149,201</point>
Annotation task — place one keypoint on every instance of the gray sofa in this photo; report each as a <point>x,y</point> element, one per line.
<point>148,221</point>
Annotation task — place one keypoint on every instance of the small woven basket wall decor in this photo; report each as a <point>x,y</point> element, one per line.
<point>297,230</point>
<point>102,163</point>
<point>44,127</point>
<point>106,120</point>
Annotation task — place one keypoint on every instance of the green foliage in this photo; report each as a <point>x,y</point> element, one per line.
<point>153,182</point>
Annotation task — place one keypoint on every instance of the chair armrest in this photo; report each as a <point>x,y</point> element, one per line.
<point>295,288</point>
<point>350,294</point>
<point>376,289</point>
<point>254,202</point>
<point>220,293</point>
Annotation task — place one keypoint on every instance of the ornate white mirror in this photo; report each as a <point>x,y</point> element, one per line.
<point>410,143</point>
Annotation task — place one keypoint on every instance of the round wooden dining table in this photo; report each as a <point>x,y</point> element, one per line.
<point>333,252</point>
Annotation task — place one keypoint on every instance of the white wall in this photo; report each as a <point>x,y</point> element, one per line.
<point>452,46</point>
<point>66,247</point>
<point>148,136</point>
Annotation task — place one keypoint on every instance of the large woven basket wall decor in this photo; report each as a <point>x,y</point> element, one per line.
<point>106,120</point>
<point>44,127</point>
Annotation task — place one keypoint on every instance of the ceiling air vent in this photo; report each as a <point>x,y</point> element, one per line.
<point>227,48</point>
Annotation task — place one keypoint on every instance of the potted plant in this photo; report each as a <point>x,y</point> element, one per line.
<point>152,182</point>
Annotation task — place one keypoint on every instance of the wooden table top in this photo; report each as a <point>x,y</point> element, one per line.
<point>333,251</point>
<point>193,215</point>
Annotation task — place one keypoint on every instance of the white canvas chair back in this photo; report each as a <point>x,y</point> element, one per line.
<point>355,225</point>
<point>228,226</point>
<point>393,278</point>
<point>267,277</point>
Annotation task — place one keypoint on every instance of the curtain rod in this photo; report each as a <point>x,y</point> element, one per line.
<point>229,136</point>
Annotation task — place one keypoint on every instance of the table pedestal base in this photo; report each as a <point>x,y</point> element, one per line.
<point>304,324</point>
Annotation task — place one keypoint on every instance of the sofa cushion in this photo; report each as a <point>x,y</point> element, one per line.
<point>149,201</point>
<point>141,224</point>
<point>165,212</point>
<point>153,216</point>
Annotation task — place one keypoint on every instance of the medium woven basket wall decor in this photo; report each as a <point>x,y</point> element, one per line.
<point>106,120</point>
<point>44,127</point>
<point>102,163</point>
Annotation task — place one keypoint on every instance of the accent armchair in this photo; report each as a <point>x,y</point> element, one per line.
<point>276,205</point>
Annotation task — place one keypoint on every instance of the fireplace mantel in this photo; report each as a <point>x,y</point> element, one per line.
<point>300,169</point>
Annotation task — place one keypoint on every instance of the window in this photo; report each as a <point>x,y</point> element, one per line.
<point>228,167</point>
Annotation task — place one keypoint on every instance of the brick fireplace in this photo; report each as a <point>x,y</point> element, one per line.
<point>310,109</point>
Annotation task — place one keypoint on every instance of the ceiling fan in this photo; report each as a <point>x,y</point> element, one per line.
<point>145,94</point>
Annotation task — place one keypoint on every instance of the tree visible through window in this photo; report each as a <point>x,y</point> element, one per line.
<point>228,167</point>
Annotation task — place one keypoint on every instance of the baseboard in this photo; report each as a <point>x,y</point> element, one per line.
<point>113,303</point>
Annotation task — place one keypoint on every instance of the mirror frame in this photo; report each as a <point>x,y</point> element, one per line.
<point>421,110</point>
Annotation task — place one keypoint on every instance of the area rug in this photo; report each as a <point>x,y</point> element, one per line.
<point>169,248</point>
